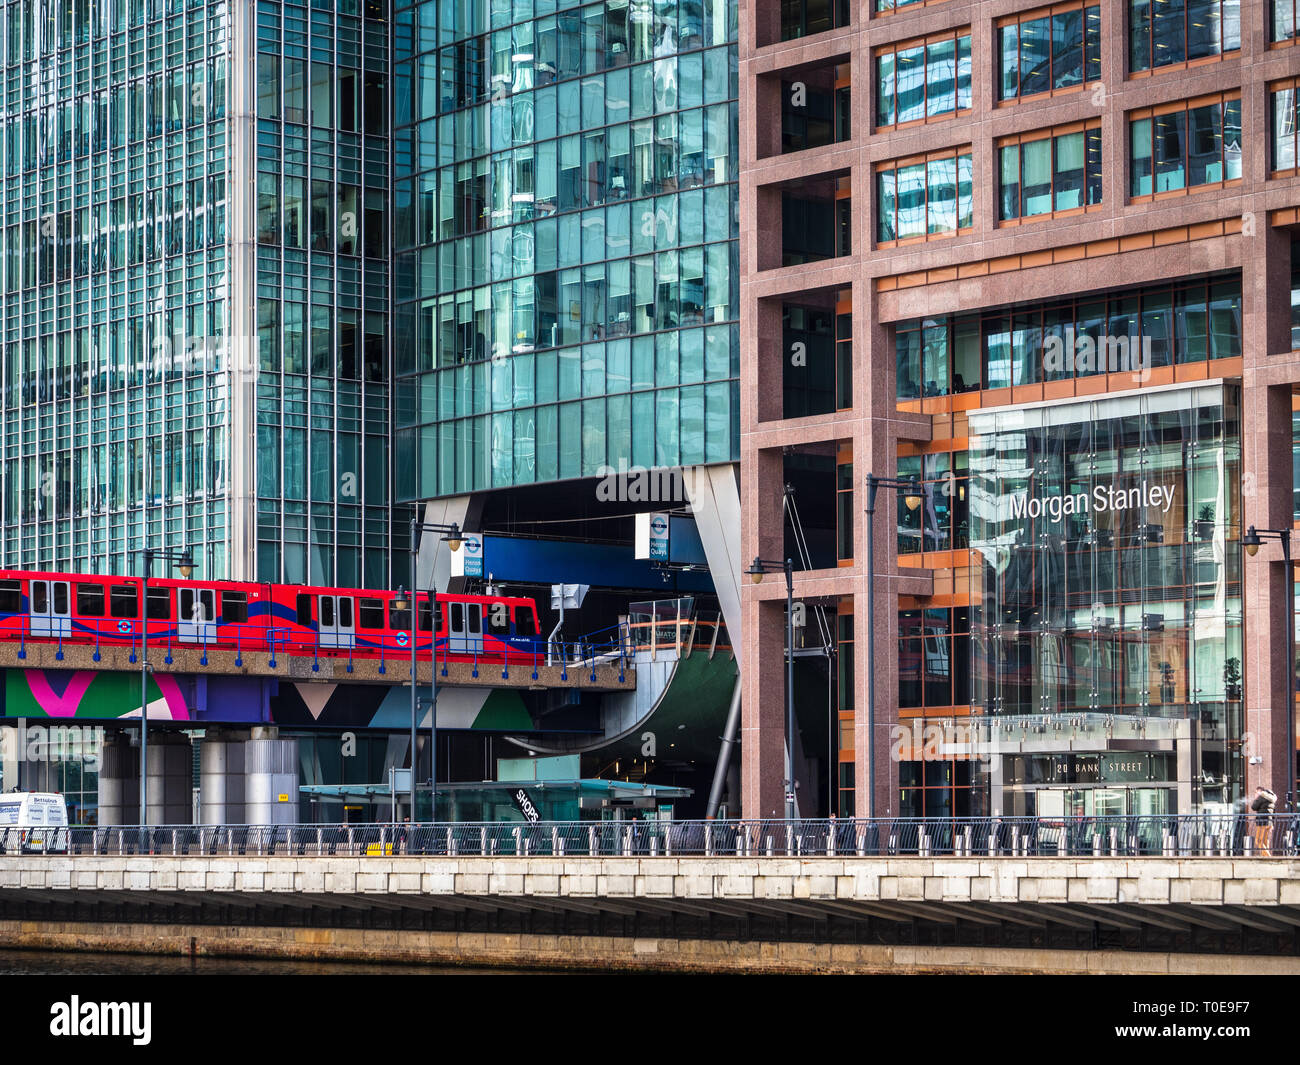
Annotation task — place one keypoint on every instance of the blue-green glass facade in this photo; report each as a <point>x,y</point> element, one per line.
<point>322,290</point>
<point>114,323</point>
<point>565,224</point>
<point>195,316</point>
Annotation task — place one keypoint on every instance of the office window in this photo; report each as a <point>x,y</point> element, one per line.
<point>268,209</point>
<point>1295,300</point>
<point>820,117</point>
<point>844,511</point>
<point>1049,50</point>
<point>803,18</point>
<point>942,522</point>
<point>1163,33</point>
<point>1285,101</point>
<point>268,86</point>
<point>924,197</point>
<point>886,7</point>
<point>1188,321</point>
<point>1044,173</point>
<point>923,79</point>
<point>1283,21</point>
<point>930,643</point>
<point>1183,145</point>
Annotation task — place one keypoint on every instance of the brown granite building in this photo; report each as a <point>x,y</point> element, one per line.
<point>1038,258</point>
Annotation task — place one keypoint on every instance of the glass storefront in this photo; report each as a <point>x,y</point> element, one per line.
<point>1106,601</point>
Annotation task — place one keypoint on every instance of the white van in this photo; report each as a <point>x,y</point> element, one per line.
<point>33,822</point>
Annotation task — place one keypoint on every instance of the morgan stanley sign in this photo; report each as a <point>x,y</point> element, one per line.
<point>1103,499</point>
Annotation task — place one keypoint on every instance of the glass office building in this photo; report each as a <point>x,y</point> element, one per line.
<point>195,286</point>
<point>322,291</point>
<point>116,215</point>
<point>1106,611</point>
<point>565,223</point>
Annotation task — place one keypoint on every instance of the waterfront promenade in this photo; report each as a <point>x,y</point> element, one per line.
<point>815,913</point>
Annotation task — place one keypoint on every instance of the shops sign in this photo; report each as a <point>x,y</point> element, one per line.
<point>524,803</point>
<point>1103,499</point>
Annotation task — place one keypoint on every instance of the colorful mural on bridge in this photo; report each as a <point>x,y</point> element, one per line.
<point>389,708</point>
<point>90,695</point>
<point>235,700</point>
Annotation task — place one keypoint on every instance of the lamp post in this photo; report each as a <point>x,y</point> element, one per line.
<point>183,561</point>
<point>756,570</point>
<point>452,535</point>
<point>912,496</point>
<point>1251,542</point>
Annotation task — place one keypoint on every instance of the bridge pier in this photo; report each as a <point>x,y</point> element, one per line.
<point>221,777</point>
<point>169,787</point>
<point>243,774</point>
<point>270,771</point>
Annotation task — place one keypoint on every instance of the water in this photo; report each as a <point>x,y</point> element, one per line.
<point>60,963</point>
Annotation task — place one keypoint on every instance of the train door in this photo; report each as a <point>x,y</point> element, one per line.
<point>337,625</point>
<point>465,628</point>
<point>196,615</point>
<point>50,610</point>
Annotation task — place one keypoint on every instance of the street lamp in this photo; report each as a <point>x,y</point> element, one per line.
<point>756,570</point>
<point>1251,542</point>
<point>183,561</point>
<point>913,494</point>
<point>453,537</point>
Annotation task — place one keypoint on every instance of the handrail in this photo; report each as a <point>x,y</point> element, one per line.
<point>1209,835</point>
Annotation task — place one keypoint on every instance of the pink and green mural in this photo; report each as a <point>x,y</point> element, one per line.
<point>92,695</point>
<point>219,699</point>
<point>87,694</point>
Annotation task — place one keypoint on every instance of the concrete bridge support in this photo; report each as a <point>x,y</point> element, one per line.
<point>221,777</point>
<point>244,773</point>
<point>169,787</point>
<point>270,778</point>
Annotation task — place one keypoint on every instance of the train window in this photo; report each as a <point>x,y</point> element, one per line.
<point>304,609</point>
<point>457,617</point>
<point>498,619</point>
<point>234,607</point>
<point>123,601</point>
<point>40,597</point>
<point>370,613</point>
<point>11,597</point>
<point>345,611</point>
<point>60,597</point>
<point>159,604</point>
<point>425,615</point>
<point>475,619</point>
<point>327,611</point>
<point>90,600</point>
<point>525,623</point>
<point>398,618</point>
<point>196,607</point>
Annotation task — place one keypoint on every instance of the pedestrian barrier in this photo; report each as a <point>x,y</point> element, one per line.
<point>1185,835</point>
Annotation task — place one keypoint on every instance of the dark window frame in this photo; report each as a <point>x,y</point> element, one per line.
<point>86,595</point>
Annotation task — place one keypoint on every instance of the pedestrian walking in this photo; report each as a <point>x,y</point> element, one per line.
<point>1263,805</point>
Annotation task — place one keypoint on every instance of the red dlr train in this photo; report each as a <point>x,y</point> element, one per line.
<point>90,608</point>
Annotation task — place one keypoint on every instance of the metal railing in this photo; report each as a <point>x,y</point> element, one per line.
<point>1186,835</point>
